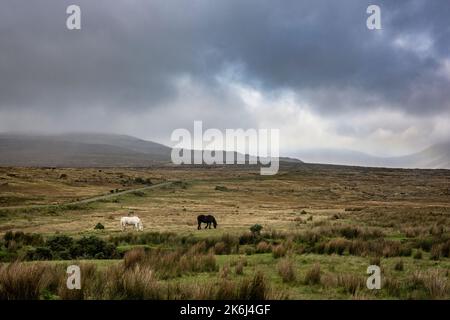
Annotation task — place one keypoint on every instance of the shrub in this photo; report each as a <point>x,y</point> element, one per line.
<point>59,243</point>
<point>248,238</point>
<point>8,236</point>
<point>221,188</point>
<point>286,270</point>
<point>89,247</point>
<point>99,226</point>
<point>42,253</point>
<point>445,249</point>
<point>256,229</point>
<point>20,237</point>
<point>33,239</point>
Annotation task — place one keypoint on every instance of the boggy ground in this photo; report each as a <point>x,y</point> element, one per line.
<point>322,227</point>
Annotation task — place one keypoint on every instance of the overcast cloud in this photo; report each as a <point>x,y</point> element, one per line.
<point>310,68</point>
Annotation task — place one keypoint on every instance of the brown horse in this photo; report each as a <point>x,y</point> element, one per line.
<point>206,219</point>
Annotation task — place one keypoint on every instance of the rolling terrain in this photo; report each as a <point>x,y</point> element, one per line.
<point>322,225</point>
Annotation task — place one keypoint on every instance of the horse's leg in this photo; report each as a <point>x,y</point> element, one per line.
<point>199,225</point>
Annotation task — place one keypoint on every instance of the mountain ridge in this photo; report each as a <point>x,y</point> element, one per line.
<point>87,150</point>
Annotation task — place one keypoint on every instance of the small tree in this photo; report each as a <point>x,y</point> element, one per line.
<point>256,229</point>
<point>99,226</point>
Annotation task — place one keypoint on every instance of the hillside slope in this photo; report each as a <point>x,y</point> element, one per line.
<point>86,150</point>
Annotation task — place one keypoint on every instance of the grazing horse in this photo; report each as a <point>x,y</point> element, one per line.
<point>206,219</point>
<point>133,221</point>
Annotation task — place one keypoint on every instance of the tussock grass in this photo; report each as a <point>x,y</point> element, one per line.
<point>19,281</point>
<point>286,270</point>
<point>313,275</point>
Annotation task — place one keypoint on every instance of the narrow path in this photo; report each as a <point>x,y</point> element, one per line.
<point>120,193</point>
<point>92,199</point>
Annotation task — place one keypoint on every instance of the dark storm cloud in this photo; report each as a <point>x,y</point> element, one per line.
<point>129,54</point>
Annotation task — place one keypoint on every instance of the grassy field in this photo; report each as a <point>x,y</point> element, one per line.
<point>322,226</point>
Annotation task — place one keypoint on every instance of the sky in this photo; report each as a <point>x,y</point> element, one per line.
<point>311,69</point>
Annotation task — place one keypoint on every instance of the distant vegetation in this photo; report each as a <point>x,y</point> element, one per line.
<point>308,233</point>
<point>99,226</point>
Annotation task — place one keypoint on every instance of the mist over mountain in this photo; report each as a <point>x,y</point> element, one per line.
<point>90,150</point>
<point>79,150</point>
<point>434,157</point>
<point>101,149</point>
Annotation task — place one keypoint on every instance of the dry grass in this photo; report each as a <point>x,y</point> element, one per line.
<point>350,283</point>
<point>263,247</point>
<point>286,270</point>
<point>313,275</point>
<point>355,212</point>
<point>250,200</point>
<point>133,257</point>
<point>279,251</point>
<point>25,282</point>
<point>19,281</point>
<point>239,268</point>
<point>434,282</point>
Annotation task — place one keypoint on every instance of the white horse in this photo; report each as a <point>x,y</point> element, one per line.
<point>134,221</point>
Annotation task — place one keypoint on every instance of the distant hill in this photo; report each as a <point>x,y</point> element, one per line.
<point>79,150</point>
<point>434,157</point>
<point>85,150</point>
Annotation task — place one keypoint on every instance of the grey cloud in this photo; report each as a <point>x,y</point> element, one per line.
<point>129,56</point>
